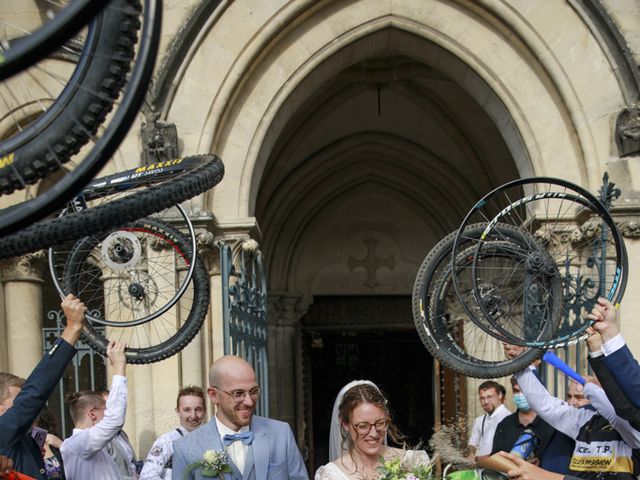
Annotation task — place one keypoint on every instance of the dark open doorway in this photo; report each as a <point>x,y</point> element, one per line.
<point>378,343</point>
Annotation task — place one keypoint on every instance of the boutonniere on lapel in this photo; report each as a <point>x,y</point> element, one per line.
<point>213,464</point>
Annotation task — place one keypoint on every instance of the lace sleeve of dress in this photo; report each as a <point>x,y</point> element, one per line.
<point>416,457</point>
<point>322,474</point>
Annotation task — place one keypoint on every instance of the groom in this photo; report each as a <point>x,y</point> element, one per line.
<point>258,448</point>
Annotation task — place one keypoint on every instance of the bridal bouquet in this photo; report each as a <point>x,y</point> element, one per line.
<point>213,464</point>
<point>398,469</point>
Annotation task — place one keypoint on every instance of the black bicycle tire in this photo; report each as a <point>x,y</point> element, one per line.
<point>109,215</point>
<point>451,354</point>
<point>28,212</point>
<point>425,284</point>
<point>189,328</point>
<point>621,272</point>
<point>48,37</point>
<point>75,116</point>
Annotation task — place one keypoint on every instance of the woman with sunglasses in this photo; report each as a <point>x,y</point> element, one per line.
<point>360,425</point>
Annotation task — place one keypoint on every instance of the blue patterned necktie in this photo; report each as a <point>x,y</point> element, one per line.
<point>244,437</point>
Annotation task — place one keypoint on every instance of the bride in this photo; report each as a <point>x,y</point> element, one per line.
<point>360,424</point>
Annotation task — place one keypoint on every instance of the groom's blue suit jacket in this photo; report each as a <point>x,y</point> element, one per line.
<point>274,451</point>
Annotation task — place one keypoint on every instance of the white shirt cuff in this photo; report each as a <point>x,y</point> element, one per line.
<point>612,345</point>
<point>596,354</point>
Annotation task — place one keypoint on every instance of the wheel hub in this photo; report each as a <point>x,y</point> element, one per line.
<point>121,250</point>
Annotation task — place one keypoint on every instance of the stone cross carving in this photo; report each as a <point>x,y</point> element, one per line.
<point>371,263</point>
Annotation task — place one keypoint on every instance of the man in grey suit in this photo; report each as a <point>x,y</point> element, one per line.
<point>258,448</point>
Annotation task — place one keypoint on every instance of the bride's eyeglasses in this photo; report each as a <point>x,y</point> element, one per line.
<point>363,428</point>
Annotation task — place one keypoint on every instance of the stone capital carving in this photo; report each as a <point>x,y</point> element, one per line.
<point>28,268</point>
<point>286,309</point>
<point>630,229</point>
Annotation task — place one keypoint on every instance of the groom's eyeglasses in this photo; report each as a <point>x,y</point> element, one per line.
<point>363,428</point>
<point>238,396</point>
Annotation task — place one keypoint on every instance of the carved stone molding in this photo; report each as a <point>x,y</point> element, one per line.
<point>628,130</point>
<point>630,229</point>
<point>28,268</point>
<point>159,140</point>
<point>285,310</point>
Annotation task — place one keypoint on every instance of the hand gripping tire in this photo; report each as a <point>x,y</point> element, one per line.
<point>107,289</point>
<point>115,212</point>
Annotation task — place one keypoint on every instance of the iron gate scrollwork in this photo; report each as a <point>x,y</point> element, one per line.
<point>244,304</point>
<point>583,294</point>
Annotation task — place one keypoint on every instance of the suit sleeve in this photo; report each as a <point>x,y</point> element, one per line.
<point>626,371</point>
<point>621,403</point>
<point>179,461</point>
<point>295,464</point>
<point>34,394</point>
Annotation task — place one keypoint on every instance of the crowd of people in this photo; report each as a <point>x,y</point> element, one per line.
<point>594,434</point>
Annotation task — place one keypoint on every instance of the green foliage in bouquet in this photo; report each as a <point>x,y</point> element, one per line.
<point>396,469</point>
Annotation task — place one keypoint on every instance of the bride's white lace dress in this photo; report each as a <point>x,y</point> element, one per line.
<point>331,471</point>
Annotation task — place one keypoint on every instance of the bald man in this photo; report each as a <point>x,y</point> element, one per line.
<point>258,448</point>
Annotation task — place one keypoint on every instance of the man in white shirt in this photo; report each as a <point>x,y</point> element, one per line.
<point>121,450</point>
<point>190,409</point>
<point>491,395</point>
<point>96,423</point>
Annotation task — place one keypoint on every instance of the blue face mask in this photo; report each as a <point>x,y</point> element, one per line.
<point>521,402</point>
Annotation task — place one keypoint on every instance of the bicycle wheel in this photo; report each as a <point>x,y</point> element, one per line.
<point>115,208</point>
<point>21,48</point>
<point>574,254</point>
<point>129,286</point>
<point>102,147</point>
<point>121,250</point>
<point>449,334</point>
<point>63,113</point>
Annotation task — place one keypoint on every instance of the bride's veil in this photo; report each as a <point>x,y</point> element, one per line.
<point>335,438</point>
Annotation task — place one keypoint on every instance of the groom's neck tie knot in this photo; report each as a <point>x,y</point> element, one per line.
<point>244,437</point>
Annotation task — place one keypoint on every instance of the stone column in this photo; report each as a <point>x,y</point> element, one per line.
<point>284,314</point>
<point>22,280</point>
<point>193,359</point>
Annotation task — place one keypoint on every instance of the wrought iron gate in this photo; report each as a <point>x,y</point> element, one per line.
<point>244,303</point>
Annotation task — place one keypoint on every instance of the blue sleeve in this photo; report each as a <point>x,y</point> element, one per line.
<point>295,464</point>
<point>626,371</point>
<point>34,394</point>
<point>621,403</point>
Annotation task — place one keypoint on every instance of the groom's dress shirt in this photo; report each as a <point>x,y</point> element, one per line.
<point>237,450</point>
<point>484,428</point>
<point>84,453</point>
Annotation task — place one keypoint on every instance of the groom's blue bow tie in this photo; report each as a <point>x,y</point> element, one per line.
<point>244,437</point>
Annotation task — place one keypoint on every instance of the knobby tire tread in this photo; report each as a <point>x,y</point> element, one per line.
<point>112,214</point>
<point>71,122</point>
